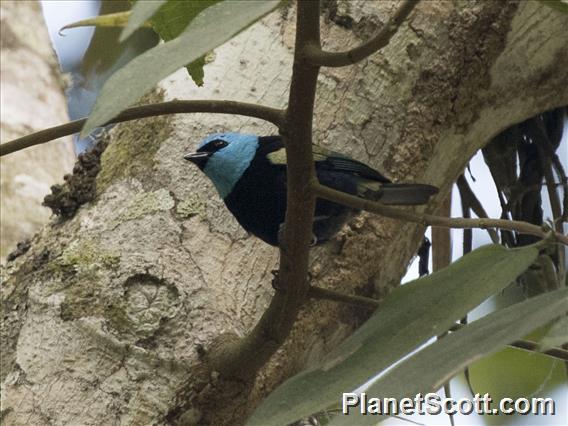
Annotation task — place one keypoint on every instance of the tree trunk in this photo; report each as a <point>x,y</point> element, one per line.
<point>109,311</point>
<point>32,99</point>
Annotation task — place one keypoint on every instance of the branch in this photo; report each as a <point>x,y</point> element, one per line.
<point>325,294</point>
<point>427,219</point>
<point>380,40</point>
<point>272,115</point>
<point>243,358</point>
<point>470,200</point>
<point>442,237</point>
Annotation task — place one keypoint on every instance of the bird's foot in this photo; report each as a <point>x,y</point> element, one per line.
<point>275,281</point>
<point>314,241</point>
<point>282,245</point>
<point>281,240</point>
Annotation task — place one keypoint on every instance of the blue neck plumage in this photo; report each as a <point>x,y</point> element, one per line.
<point>226,166</point>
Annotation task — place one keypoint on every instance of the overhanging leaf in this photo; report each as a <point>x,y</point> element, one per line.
<point>410,315</point>
<point>174,17</point>
<point>427,370</point>
<point>142,11</point>
<point>209,29</point>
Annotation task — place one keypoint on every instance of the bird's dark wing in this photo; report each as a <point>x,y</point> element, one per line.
<point>330,160</point>
<point>273,148</point>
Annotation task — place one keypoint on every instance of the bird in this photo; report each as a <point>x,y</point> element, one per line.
<point>249,173</point>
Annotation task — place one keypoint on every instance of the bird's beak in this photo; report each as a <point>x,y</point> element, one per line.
<point>198,158</point>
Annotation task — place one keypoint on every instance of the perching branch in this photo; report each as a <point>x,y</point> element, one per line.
<point>380,40</point>
<point>333,296</point>
<point>242,358</point>
<point>272,115</point>
<point>428,219</point>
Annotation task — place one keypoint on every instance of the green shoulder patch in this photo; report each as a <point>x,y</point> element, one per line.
<point>320,154</point>
<point>278,157</point>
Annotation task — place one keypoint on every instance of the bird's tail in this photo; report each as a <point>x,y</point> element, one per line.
<point>406,194</point>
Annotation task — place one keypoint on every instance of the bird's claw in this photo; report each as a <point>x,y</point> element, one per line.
<point>281,230</point>
<point>275,280</point>
<point>314,241</point>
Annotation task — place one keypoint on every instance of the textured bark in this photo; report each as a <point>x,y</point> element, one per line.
<point>108,312</point>
<point>32,99</point>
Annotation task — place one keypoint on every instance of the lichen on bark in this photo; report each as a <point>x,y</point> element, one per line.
<point>132,153</point>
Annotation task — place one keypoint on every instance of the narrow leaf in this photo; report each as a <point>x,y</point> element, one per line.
<point>410,315</point>
<point>427,370</point>
<point>142,11</point>
<point>118,19</point>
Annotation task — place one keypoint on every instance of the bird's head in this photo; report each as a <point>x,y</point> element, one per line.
<point>224,157</point>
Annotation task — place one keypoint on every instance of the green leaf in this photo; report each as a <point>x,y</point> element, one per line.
<point>195,70</point>
<point>410,315</point>
<point>142,11</point>
<point>170,21</point>
<point>211,28</point>
<point>427,370</point>
<point>118,19</point>
<point>514,373</point>
<point>559,5</point>
<point>174,17</point>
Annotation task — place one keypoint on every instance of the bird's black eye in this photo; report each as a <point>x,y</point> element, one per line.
<point>213,146</point>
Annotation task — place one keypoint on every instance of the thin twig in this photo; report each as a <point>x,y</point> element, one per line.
<point>441,258</point>
<point>467,248</point>
<point>564,182</point>
<point>470,200</point>
<point>546,149</point>
<point>380,40</point>
<point>272,115</point>
<point>325,294</point>
<point>428,219</point>
<point>442,238</point>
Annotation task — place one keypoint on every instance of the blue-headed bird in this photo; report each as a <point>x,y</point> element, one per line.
<point>249,173</point>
